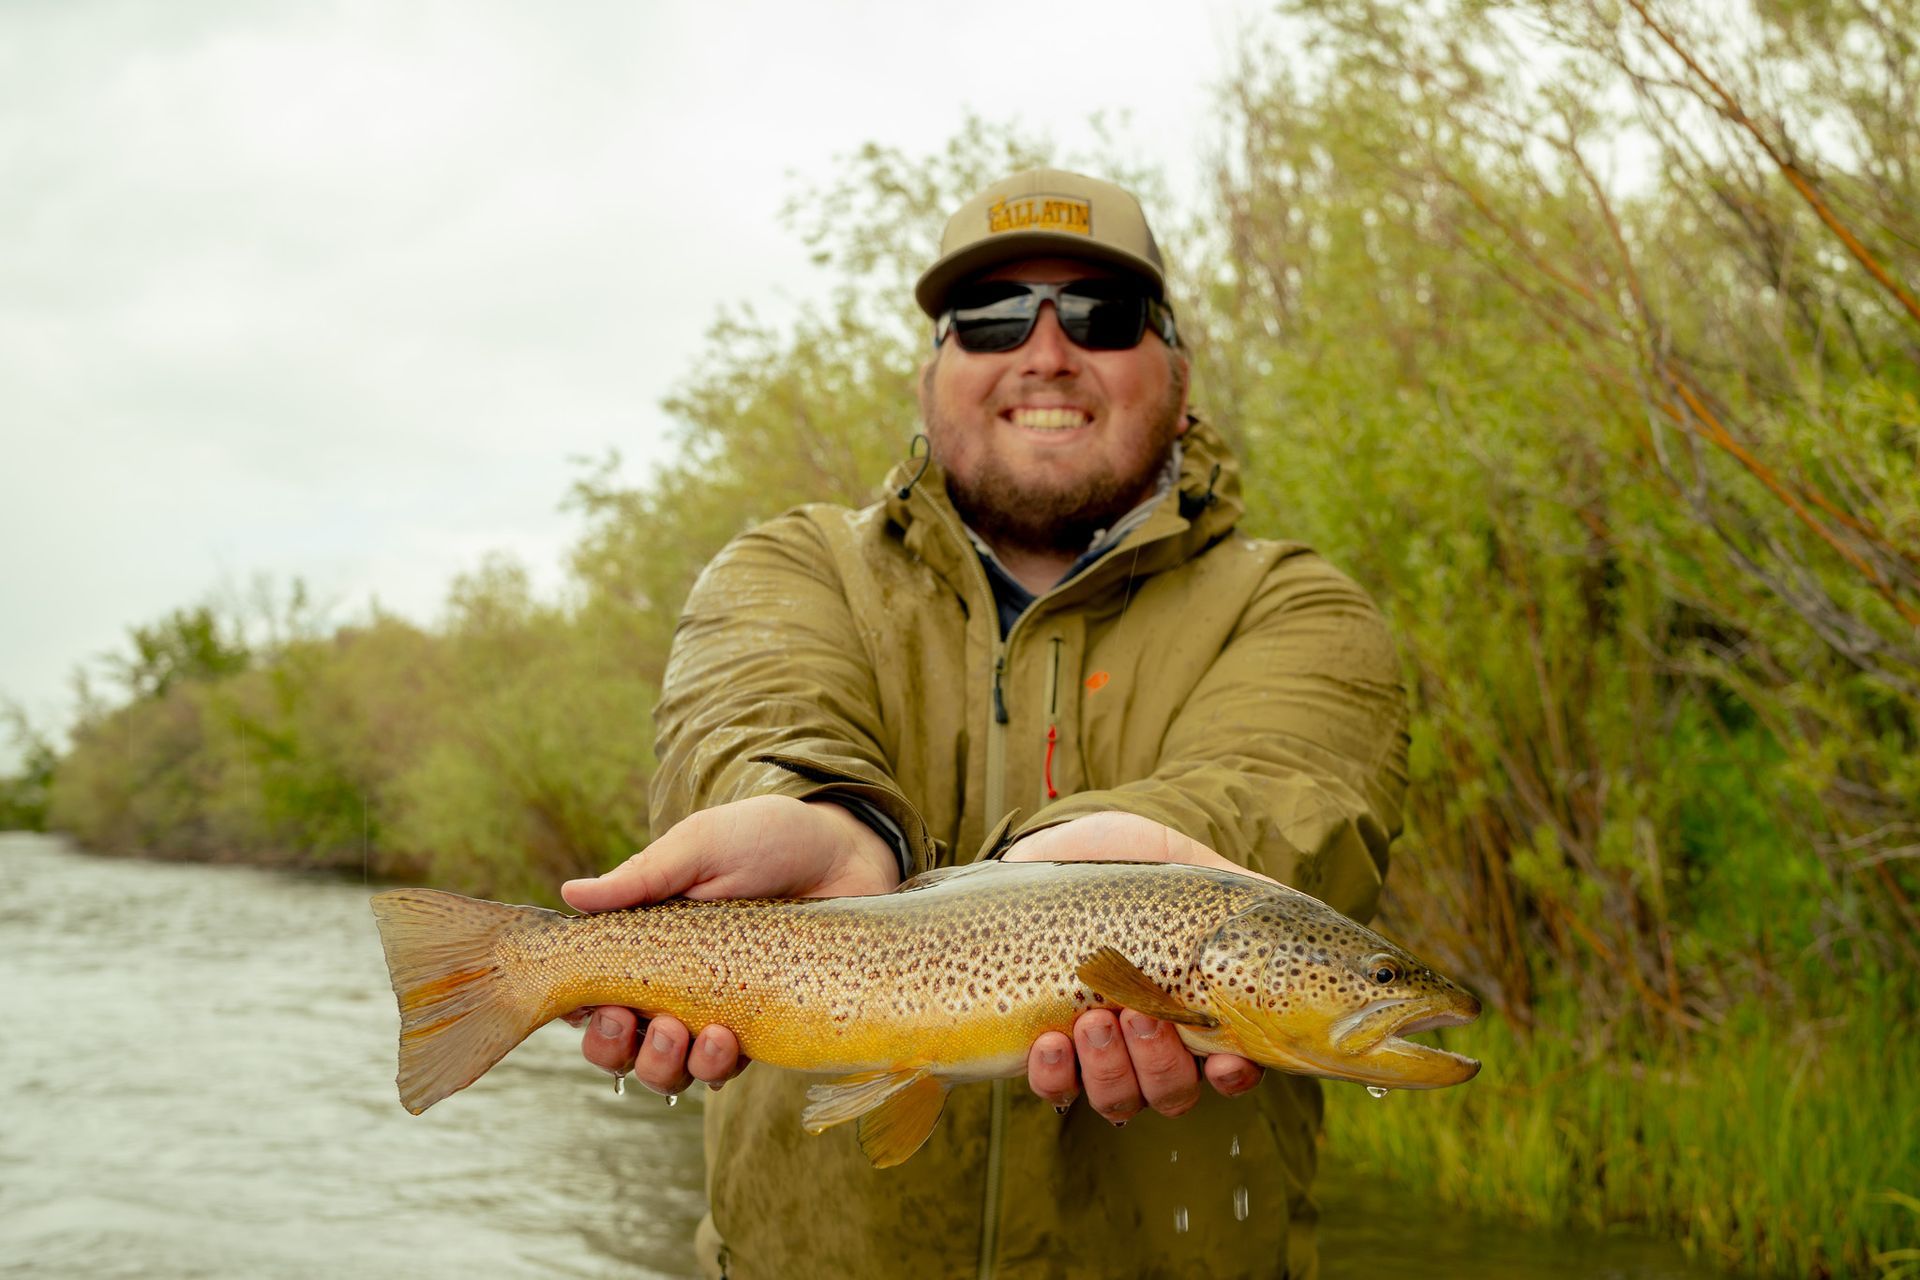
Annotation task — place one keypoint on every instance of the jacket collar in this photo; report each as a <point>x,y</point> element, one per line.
<point>1202,506</point>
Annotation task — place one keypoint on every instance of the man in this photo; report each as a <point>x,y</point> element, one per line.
<point>1057,621</point>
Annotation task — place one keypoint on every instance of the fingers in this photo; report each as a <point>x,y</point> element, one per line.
<point>661,1061</point>
<point>1169,1081</point>
<point>661,870</point>
<point>762,847</point>
<point>609,1039</point>
<point>665,1058</point>
<point>1133,1062</point>
<point>1106,1069</point>
<point>1128,1063</point>
<point>715,1057</point>
<point>1233,1075</point>
<point>1052,1072</point>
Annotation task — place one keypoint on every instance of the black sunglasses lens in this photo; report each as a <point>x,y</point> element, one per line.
<point>994,317</point>
<point>1102,318</point>
<point>1101,315</point>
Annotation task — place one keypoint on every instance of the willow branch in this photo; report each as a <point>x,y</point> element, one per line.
<point>1793,173</point>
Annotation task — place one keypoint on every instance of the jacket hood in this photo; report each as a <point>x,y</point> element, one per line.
<point>1203,506</point>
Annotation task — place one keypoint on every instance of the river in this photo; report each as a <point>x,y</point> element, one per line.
<point>196,1064</point>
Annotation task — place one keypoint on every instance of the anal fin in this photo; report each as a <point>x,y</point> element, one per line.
<point>1110,974</point>
<point>896,1110</point>
<point>899,1126</point>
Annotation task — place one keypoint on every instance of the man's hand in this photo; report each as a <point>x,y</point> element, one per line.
<point>764,847</point>
<point>1129,1062</point>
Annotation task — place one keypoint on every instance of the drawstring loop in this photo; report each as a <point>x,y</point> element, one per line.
<point>913,452</point>
<point>1190,506</point>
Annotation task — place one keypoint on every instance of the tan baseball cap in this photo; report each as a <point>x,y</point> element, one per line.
<point>1042,213</point>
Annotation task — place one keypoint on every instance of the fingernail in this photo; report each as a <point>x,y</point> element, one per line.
<point>656,1041</point>
<point>1100,1035</point>
<point>1236,1080</point>
<point>1145,1028</point>
<point>1053,1057</point>
<point>605,1025</point>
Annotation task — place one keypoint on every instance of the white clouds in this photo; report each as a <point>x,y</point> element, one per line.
<point>338,290</point>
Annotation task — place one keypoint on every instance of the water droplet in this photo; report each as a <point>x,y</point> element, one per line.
<point>673,1099</point>
<point>1176,1158</point>
<point>620,1084</point>
<point>1235,1149</point>
<point>1376,1091</point>
<point>1240,1204</point>
<point>1180,1220</point>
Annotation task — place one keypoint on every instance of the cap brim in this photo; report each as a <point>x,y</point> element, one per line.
<point>984,255</point>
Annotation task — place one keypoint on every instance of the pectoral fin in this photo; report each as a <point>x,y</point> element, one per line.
<point>1108,973</point>
<point>896,1110</point>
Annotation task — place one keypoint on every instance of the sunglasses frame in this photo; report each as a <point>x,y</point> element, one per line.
<point>1157,316</point>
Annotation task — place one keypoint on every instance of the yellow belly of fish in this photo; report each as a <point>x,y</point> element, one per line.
<point>982,1043</point>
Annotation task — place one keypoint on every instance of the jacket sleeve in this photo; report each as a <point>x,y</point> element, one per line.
<point>1290,757</point>
<point>769,689</point>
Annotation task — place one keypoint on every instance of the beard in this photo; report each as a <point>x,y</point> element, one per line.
<point>1018,511</point>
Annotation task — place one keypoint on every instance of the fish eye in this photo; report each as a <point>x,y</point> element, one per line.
<point>1383,971</point>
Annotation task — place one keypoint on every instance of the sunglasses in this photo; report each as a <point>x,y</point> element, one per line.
<point>1100,315</point>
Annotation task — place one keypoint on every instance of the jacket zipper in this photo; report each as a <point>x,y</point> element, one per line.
<point>1047,790</point>
<point>995,800</point>
<point>996,795</point>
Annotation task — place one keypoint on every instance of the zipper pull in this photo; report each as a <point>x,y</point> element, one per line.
<point>999,701</point>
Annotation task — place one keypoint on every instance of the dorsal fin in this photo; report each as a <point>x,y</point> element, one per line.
<point>941,875</point>
<point>926,878</point>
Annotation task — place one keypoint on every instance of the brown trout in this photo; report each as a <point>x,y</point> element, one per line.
<point>949,978</point>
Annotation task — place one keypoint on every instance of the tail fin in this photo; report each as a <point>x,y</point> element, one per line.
<point>458,1014</point>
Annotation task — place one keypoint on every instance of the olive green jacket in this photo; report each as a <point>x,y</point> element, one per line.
<point>1242,692</point>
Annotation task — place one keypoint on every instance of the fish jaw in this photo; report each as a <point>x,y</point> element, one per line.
<point>1377,1036</point>
<point>1367,1047</point>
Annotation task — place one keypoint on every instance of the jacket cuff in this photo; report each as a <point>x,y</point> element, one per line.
<point>916,850</point>
<point>883,826</point>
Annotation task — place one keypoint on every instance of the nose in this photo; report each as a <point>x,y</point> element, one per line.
<point>1048,352</point>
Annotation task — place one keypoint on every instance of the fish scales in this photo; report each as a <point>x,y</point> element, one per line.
<point>952,972</point>
<point>948,979</point>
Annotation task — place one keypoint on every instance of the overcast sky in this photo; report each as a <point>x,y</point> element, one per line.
<point>339,290</point>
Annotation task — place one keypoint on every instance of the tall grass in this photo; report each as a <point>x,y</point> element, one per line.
<point>1777,1148</point>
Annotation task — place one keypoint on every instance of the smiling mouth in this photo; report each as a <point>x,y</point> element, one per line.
<point>1060,418</point>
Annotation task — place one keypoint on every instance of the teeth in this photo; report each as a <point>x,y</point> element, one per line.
<point>1049,419</point>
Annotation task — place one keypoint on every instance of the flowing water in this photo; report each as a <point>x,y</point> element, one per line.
<point>196,1078</point>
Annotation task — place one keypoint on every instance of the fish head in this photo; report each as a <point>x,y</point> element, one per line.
<point>1306,990</point>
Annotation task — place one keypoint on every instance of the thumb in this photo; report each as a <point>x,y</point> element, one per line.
<point>664,869</point>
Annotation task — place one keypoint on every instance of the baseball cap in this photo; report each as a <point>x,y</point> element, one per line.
<point>1042,213</point>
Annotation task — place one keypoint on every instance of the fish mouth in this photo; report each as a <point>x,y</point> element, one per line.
<point>1371,1046</point>
<point>1368,1046</point>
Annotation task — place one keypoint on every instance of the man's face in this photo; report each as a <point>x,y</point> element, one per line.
<point>1048,443</point>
